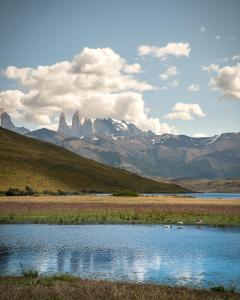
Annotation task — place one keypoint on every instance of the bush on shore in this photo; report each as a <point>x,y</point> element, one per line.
<point>28,191</point>
<point>125,194</point>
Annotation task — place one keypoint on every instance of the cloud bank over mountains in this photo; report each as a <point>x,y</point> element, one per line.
<point>97,82</point>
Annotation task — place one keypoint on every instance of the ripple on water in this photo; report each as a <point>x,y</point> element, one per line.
<point>139,253</point>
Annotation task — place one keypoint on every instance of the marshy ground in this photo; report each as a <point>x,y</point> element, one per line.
<point>110,209</point>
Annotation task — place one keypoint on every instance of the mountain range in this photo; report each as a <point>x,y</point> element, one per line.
<point>124,145</point>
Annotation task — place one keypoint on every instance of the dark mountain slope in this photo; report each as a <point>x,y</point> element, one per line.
<point>26,161</point>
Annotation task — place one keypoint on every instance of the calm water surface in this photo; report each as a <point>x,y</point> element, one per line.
<point>207,195</point>
<point>139,253</point>
<point>195,195</point>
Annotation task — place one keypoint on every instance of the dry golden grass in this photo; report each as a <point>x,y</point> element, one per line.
<point>91,199</point>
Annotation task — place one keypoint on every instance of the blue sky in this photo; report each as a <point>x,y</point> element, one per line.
<point>42,33</point>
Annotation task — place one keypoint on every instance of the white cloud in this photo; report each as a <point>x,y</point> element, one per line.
<point>199,135</point>
<point>228,80</point>
<point>185,111</point>
<point>236,57</point>
<point>134,68</point>
<point>170,72</point>
<point>95,82</point>
<point>211,68</point>
<point>218,37</point>
<point>202,29</point>
<point>171,49</point>
<point>194,87</point>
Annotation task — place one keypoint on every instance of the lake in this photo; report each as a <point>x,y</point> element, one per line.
<point>204,195</point>
<point>186,255</point>
<point>195,195</point>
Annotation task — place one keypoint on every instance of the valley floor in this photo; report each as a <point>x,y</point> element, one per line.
<point>67,287</point>
<point>119,210</point>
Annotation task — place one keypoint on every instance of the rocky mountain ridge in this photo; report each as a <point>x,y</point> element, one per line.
<point>86,127</point>
<point>123,145</point>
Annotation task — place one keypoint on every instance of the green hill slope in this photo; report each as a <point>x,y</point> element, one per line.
<point>25,161</point>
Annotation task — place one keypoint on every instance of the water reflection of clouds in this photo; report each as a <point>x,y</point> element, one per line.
<point>190,270</point>
<point>119,263</point>
<point>143,265</point>
<point>140,253</point>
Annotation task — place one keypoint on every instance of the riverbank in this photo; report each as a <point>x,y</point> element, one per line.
<point>119,210</point>
<point>67,287</point>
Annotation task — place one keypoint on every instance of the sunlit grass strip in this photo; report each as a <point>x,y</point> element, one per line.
<point>120,217</point>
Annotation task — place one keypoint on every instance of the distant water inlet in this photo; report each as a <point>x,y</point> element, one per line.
<point>224,196</point>
<point>191,256</point>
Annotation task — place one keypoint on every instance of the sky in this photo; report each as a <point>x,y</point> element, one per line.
<point>167,66</point>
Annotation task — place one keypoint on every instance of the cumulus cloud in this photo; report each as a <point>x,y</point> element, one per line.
<point>227,80</point>
<point>134,68</point>
<point>171,49</point>
<point>211,68</point>
<point>97,82</point>
<point>185,111</point>
<point>194,87</point>
<point>170,72</point>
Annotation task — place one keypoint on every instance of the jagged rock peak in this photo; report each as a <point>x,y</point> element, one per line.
<point>62,115</point>
<point>76,114</point>
<point>63,127</point>
<point>1,111</point>
<point>6,122</point>
<point>76,125</point>
<point>88,127</point>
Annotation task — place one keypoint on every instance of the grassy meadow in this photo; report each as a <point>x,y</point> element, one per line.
<point>119,210</point>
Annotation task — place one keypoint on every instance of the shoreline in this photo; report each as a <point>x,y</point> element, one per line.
<point>33,286</point>
<point>119,210</point>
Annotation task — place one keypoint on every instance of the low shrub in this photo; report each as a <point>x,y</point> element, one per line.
<point>28,191</point>
<point>13,192</point>
<point>125,194</point>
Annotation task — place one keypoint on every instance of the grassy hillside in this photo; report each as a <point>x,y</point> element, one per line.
<point>43,166</point>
